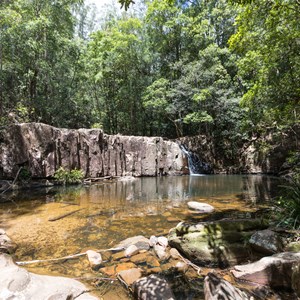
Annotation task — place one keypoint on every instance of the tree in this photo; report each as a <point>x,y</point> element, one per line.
<point>269,65</point>
<point>39,61</point>
<point>116,61</point>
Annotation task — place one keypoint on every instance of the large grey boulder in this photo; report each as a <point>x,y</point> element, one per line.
<point>17,283</point>
<point>266,241</point>
<point>221,243</point>
<point>43,149</point>
<point>275,271</point>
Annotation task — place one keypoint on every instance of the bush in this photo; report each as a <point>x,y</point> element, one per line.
<point>69,177</point>
<point>289,204</point>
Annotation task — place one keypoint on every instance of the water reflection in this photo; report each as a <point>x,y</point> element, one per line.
<point>176,188</point>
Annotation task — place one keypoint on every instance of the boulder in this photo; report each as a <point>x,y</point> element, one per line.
<point>266,241</point>
<point>17,283</point>
<point>42,149</point>
<point>6,244</point>
<point>218,288</point>
<point>130,276</point>
<point>199,207</point>
<point>275,271</point>
<point>153,287</point>
<point>219,243</point>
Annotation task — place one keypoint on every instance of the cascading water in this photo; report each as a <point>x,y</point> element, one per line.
<point>196,165</point>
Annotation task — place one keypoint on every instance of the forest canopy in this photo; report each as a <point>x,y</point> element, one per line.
<point>221,68</point>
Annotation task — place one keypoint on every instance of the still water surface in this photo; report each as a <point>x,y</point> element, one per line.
<point>111,211</point>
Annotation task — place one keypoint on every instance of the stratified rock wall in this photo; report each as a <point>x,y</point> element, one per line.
<point>43,149</point>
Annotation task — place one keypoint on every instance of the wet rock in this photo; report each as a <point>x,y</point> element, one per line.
<point>130,276</point>
<point>6,244</point>
<point>131,250</point>
<point>275,271</point>
<point>200,207</point>
<point>95,259</point>
<point>17,283</point>
<point>266,241</point>
<point>153,287</point>
<point>108,271</point>
<point>218,288</point>
<point>125,266</point>
<point>139,241</point>
<point>220,243</point>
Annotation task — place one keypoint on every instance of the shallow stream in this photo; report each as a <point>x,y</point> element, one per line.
<point>111,211</point>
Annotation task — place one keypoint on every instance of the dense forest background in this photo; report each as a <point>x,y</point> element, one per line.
<point>227,69</point>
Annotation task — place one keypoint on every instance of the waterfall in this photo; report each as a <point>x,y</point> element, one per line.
<point>196,165</point>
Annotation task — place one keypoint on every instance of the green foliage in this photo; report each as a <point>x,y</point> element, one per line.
<point>289,203</point>
<point>24,175</point>
<point>269,64</point>
<point>69,177</point>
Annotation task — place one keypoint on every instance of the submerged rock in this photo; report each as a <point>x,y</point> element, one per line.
<point>139,241</point>
<point>199,207</point>
<point>220,243</point>
<point>17,283</point>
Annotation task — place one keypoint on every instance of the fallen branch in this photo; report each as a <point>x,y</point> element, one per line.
<point>188,262</point>
<point>11,185</point>
<point>69,203</point>
<point>64,215</point>
<point>95,179</point>
<point>22,263</point>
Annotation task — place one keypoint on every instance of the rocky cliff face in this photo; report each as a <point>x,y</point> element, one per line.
<point>43,149</point>
<point>265,154</point>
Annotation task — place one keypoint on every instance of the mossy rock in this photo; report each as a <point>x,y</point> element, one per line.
<point>222,243</point>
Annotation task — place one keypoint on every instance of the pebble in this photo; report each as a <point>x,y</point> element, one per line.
<point>131,250</point>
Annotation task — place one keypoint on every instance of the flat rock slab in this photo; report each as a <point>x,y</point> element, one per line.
<point>139,241</point>
<point>199,207</point>
<point>275,271</point>
<point>131,275</point>
<point>18,283</point>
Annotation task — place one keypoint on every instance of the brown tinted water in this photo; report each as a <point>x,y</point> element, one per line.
<point>111,211</point>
